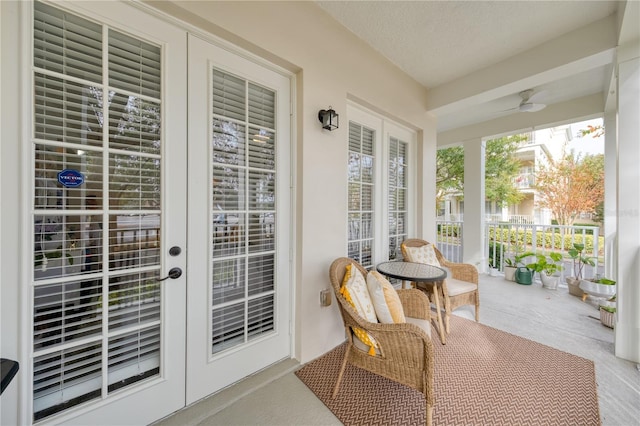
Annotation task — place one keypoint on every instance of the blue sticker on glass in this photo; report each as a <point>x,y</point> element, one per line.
<point>70,178</point>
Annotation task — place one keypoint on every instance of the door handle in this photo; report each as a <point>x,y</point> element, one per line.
<point>174,273</point>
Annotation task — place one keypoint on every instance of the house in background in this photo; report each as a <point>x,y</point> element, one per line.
<point>541,146</point>
<point>203,118</point>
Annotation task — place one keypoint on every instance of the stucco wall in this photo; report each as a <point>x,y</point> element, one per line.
<point>331,66</point>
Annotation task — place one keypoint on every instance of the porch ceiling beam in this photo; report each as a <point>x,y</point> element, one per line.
<point>581,108</point>
<point>589,47</point>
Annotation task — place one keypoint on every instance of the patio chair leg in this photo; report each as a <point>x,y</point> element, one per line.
<point>477,309</point>
<point>447,309</point>
<point>344,364</point>
<point>429,419</point>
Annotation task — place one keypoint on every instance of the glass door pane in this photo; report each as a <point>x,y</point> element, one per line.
<point>243,210</point>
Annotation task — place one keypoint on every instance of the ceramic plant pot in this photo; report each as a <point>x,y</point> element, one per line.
<point>574,287</point>
<point>510,273</point>
<point>607,318</point>
<point>549,281</point>
<point>596,289</point>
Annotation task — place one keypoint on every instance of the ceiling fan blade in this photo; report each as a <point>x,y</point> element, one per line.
<point>538,96</point>
<point>530,107</point>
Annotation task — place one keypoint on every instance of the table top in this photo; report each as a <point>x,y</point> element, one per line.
<point>418,272</point>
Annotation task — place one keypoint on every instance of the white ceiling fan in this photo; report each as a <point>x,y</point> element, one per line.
<point>526,105</point>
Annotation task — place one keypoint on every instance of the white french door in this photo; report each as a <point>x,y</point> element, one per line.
<point>108,162</point>
<point>238,308</point>
<point>121,197</point>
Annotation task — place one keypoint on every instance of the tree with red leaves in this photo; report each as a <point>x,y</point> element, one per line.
<point>571,185</point>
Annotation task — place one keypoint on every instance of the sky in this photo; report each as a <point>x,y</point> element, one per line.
<point>587,144</point>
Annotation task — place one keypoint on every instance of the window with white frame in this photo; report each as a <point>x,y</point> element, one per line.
<point>381,184</point>
<point>361,189</point>
<point>397,196</point>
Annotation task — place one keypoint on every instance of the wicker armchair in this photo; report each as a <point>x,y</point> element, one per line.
<point>405,351</point>
<point>456,288</point>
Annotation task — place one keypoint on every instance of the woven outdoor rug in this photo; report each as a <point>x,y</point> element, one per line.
<point>483,376</point>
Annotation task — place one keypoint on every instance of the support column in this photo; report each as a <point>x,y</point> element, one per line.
<point>627,328</point>
<point>610,193</point>
<point>426,177</point>
<point>473,231</point>
<point>505,213</point>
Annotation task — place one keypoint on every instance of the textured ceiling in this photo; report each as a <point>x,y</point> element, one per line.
<point>438,41</point>
<point>448,46</point>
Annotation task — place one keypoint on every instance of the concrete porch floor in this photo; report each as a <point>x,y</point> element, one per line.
<point>275,396</point>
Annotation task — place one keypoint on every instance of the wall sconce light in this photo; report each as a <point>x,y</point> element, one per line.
<point>328,118</point>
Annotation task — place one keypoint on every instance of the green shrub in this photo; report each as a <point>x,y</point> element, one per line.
<point>549,239</point>
<point>495,254</point>
<point>449,230</point>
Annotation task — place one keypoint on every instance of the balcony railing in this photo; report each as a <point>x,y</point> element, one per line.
<point>525,180</point>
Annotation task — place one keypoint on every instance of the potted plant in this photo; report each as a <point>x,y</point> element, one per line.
<point>579,260</point>
<point>598,287</point>
<point>608,311</point>
<point>511,263</point>
<point>510,267</point>
<point>548,268</point>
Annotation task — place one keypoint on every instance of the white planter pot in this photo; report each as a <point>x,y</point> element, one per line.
<point>597,290</point>
<point>607,318</point>
<point>510,273</point>
<point>608,303</point>
<point>493,272</point>
<point>549,281</point>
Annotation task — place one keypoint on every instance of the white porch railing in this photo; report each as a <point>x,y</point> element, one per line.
<point>509,238</point>
<point>495,217</point>
<point>449,239</point>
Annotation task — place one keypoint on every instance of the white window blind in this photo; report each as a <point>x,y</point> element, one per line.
<point>361,172</point>
<point>380,187</point>
<point>97,303</point>
<point>243,210</point>
<point>397,193</point>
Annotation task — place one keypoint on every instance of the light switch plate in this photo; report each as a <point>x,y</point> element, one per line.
<point>325,297</point>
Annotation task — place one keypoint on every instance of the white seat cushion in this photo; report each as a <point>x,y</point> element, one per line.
<point>422,323</point>
<point>456,287</point>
